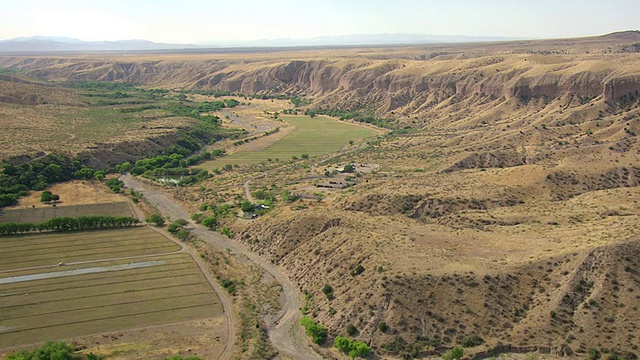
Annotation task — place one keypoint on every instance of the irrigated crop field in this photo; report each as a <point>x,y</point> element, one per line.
<point>312,136</point>
<point>37,215</point>
<point>111,280</point>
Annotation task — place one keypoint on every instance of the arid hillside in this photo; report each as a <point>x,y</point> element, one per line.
<point>503,214</point>
<point>407,81</point>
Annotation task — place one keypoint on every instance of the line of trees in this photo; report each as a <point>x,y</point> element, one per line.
<point>386,123</point>
<point>68,224</point>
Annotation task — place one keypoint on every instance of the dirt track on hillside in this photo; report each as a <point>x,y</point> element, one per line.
<point>284,330</point>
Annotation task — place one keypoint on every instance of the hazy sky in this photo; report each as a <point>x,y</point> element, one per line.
<point>193,21</point>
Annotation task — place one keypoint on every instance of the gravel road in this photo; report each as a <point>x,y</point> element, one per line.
<point>284,330</point>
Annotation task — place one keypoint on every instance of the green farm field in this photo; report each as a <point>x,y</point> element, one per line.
<point>112,280</point>
<point>312,136</point>
<point>37,215</point>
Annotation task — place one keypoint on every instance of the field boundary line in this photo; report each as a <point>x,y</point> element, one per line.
<point>84,262</point>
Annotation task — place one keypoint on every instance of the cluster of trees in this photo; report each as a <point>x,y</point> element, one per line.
<point>318,333</point>
<point>115,185</point>
<point>249,139</point>
<point>88,222</point>
<point>212,220</point>
<point>87,173</point>
<point>353,348</point>
<point>155,219</point>
<point>298,101</point>
<point>387,123</point>
<point>203,107</point>
<point>179,229</point>
<point>17,180</point>
<point>49,351</point>
<point>48,196</point>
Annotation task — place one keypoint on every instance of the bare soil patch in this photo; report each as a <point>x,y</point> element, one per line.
<point>75,192</point>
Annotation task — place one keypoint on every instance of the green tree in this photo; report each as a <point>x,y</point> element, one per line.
<point>47,196</point>
<point>349,168</point>
<point>247,206</point>
<point>84,173</point>
<point>318,333</point>
<point>156,219</point>
<point>99,175</point>
<point>210,222</point>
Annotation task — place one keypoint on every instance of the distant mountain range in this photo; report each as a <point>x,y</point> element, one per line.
<point>362,39</point>
<point>65,44</point>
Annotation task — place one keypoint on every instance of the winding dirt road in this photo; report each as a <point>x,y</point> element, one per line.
<point>284,330</point>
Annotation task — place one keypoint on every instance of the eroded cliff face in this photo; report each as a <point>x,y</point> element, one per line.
<point>384,84</point>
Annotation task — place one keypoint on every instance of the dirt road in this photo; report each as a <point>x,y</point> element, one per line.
<point>247,193</point>
<point>285,333</point>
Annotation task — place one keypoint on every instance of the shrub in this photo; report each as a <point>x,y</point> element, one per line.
<point>593,354</point>
<point>227,232</point>
<point>172,228</point>
<point>183,234</point>
<point>328,291</point>
<point>197,217</point>
<point>352,330</point>
<point>471,341</point>
<point>357,270</point>
<point>382,326</point>
<point>229,285</point>
<point>453,354</point>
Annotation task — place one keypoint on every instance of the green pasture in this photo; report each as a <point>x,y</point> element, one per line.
<point>312,136</point>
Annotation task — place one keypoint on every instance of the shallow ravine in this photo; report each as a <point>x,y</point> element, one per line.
<point>284,330</point>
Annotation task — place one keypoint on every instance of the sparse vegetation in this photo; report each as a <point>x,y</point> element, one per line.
<point>49,351</point>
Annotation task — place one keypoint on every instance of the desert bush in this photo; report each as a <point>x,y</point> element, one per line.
<point>382,326</point>
<point>352,330</point>
<point>453,354</point>
<point>471,341</point>
<point>328,291</point>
